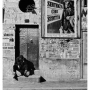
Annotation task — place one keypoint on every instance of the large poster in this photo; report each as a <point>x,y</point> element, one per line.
<point>60,18</point>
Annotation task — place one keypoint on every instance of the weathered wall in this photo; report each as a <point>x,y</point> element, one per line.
<point>54,61</point>
<point>59,59</point>
<point>13,16</point>
<point>84,14</point>
<point>60,62</point>
<point>8,49</point>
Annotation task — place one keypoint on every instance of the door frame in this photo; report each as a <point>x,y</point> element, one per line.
<point>17,38</point>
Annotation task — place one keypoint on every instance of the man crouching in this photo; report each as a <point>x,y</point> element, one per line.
<point>23,67</point>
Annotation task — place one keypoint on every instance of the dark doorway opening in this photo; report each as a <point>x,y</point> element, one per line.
<point>27,43</point>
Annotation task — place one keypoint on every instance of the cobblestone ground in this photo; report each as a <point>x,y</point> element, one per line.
<point>26,85</point>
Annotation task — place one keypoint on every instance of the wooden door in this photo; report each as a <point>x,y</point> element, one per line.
<point>29,44</point>
<point>33,46</point>
<point>23,42</point>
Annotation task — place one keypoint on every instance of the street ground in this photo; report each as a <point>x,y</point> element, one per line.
<point>26,85</point>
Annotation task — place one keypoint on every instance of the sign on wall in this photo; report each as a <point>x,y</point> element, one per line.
<point>8,43</point>
<point>59,19</point>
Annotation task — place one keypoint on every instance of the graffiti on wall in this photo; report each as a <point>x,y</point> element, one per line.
<point>60,48</point>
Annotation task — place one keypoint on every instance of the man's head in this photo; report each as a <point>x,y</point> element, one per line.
<point>69,4</point>
<point>21,57</point>
<point>19,61</point>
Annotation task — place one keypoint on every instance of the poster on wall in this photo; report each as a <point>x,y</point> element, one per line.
<point>59,18</point>
<point>84,12</point>
<point>8,43</point>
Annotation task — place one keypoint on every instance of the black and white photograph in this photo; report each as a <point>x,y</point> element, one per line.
<point>45,44</point>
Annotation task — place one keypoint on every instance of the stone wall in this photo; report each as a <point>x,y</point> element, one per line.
<point>8,50</point>
<point>12,16</point>
<point>59,59</point>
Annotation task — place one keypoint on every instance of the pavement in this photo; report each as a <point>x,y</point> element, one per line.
<point>10,84</point>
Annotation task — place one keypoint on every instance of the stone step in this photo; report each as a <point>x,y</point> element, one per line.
<point>32,78</point>
<point>37,72</point>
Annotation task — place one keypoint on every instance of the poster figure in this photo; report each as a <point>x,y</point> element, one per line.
<point>84,15</point>
<point>60,18</point>
<point>68,17</point>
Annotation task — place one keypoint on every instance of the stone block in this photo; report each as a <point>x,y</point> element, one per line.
<point>32,79</point>
<point>61,70</point>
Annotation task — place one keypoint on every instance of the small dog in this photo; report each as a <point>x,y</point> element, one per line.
<point>25,67</point>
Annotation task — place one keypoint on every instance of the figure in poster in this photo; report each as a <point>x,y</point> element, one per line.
<point>68,17</point>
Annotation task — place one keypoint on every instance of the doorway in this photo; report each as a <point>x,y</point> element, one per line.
<point>27,43</point>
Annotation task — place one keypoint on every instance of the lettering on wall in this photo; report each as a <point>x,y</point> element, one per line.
<point>8,43</point>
